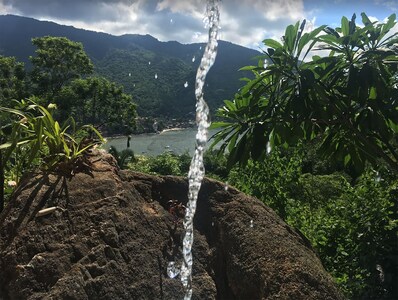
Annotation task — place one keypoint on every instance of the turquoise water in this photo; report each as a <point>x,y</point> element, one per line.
<point>176,141</point>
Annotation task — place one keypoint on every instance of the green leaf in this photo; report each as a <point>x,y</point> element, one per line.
<point>230,105</point>
<point>6,145</point>
<point>345,26</point>
<point>331,31</point>
<point>365,20</point>
<point>307,37</point>
<point>299,34</point>
<point>232,142</point>
<point>290,37</point>
<point>390,23</point>
<point>373,93</point>
<point>393,126</point>
<point>272,43</point>
<point>216,125</point>
<point>352,24</point>
<point>347,159</point>
<point>250,68</point>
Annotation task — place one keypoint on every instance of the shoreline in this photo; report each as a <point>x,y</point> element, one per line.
<point>173,129</point>
<point>116,136</point>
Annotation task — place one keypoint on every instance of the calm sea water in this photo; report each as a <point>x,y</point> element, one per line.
<point>176,141</point>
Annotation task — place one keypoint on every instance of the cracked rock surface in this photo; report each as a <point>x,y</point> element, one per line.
<point>112,234</point>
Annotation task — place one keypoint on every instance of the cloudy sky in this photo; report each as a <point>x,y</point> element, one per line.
<point>244,22</point>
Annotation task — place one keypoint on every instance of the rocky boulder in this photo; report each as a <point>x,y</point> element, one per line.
<point>109,234</point>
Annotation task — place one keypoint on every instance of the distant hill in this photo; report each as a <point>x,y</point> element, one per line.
<point>135,60</point>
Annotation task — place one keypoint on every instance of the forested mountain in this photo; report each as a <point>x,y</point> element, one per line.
<point>159,75</point>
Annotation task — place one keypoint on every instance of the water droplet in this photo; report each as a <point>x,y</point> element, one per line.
<point>212,224</point>
<point>186,84</point>
<point>149,62</point>
<point>200,48</point>
<point>134,85</point>
<point>171,21</point>
<point>226,187</point>
<point>156,76</point>
<point>193,59</point>
<point>129,74</point>
<point>251,224</point>
<point>172,270</point>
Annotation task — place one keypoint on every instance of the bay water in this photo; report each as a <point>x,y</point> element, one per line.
<point>177,141</point>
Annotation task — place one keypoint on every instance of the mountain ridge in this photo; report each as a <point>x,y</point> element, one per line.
<point>136,60</point>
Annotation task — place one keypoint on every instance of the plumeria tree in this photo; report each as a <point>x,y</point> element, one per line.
<point>349,97</point>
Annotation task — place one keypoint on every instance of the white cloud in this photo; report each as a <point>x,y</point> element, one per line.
<point>245,22</point>
<point>391,4</point>
<point>6,9</point>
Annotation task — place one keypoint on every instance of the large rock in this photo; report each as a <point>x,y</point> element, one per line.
<point>112,234</point>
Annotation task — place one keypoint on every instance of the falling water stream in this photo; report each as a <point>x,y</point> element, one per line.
<point>197,171</point>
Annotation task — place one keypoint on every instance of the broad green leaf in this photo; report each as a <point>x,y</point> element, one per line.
<point>307,37</point>
<point>232,141</point>
<point>272,43</point>
<point>365,20</point>
<point>290,37</point>
<point>331,31</point>
<point>352,24</point>
<point>298,37</point>
<point>390,24</point>
<point>345,26</point>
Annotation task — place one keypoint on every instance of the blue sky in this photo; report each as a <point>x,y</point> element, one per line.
<point>330,12</point>
<point>244,22</point>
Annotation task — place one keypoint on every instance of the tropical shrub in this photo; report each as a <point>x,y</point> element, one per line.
<point>215,165</point>
<point>353,227</point>
<point>122,157</point>
<point>348,98</point>
<point>164,164</point>
<point>275,180</point>
<point>35,138</point>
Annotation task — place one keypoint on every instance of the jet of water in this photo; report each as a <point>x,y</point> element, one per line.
<point>197,171</point>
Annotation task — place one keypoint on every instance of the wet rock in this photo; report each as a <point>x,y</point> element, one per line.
<point>112,235</point>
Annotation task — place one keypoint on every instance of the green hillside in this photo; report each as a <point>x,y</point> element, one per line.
<point>134,60</point>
